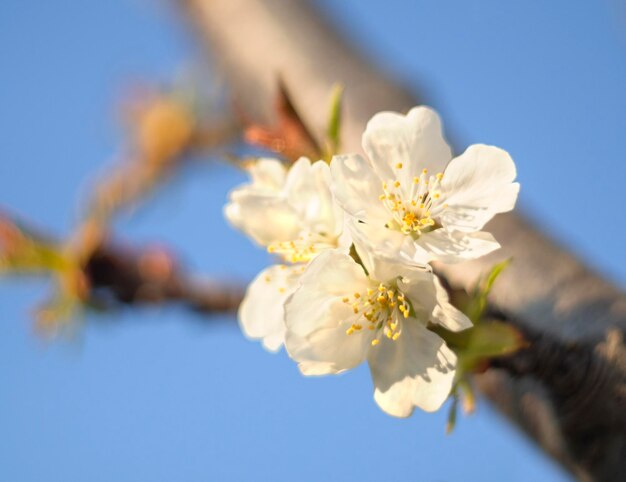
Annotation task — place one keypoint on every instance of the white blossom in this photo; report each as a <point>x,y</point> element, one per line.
<point>340,317</point>
<point>408,204</point>
<point>411,202</point>
<point>291,212</point>
<point>261,313</point>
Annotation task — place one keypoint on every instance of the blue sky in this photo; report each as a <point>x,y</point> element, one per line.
<point>156,394</point>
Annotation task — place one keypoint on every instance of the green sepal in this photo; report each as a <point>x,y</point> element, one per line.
<point>477,303</point>
<point>333,126</point>
<point>452,413</point>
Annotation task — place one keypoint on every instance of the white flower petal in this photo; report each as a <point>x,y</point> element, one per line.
<point>414,140</point>
<point>261,313</point>
<point>456,246</point>
<point>269,174</point>
<point>447,315</point>
<point>266,219</point>
<point>308,191</point>
<point>357,189</point>
<point>281,206</point>
<point>419,287</point>
<point>430,300</point>
<point>259,208</point>
<point>384,252</point>
<point>317,319</point>
<point>416,370</point>
<point>312,369</point>
<point>477,185</point>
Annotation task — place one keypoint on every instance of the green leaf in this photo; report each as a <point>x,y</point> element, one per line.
<point>333,127</point>
<point>493,275</point>
<point>477,304</point>
<point>476,345</point>
<point>452,413</point>
<point>487,340</point>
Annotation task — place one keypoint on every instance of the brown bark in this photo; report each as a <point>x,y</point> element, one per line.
<point>568,390</point>
<point>151,276</point>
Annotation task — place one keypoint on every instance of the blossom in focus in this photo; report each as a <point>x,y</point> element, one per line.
<point>261,313</point>
<point>340,317</point>
<point>291,212</point>
<point>411,202</point>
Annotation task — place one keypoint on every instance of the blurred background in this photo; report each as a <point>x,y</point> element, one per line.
<point>160,394</point>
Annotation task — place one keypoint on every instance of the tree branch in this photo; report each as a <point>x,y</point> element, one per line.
<point>151,276</point>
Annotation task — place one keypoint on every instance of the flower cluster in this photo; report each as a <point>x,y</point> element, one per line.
<point>355,239</point>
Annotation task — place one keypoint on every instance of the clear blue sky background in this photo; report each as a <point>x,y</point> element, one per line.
<point>154,395</point>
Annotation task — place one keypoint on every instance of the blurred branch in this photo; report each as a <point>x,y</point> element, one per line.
<point>545,289</point>
<point>162,133</point>
<point>151,276</point>
<point>91,271</point>
<point>112,276</point>
<point>88,270</point>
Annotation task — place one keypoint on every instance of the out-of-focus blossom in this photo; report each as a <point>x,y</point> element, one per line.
<point>291,212</point>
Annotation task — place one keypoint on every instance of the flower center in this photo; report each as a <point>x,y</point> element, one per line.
<point>380,310</point>
<point>304,248</point>
<point>413,207</point>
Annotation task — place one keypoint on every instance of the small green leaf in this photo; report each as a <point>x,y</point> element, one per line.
<point>452,413</point>
<point>487,340</point>
<point>477,304</point>
<point>493,275</point>
<point>333,127</point>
